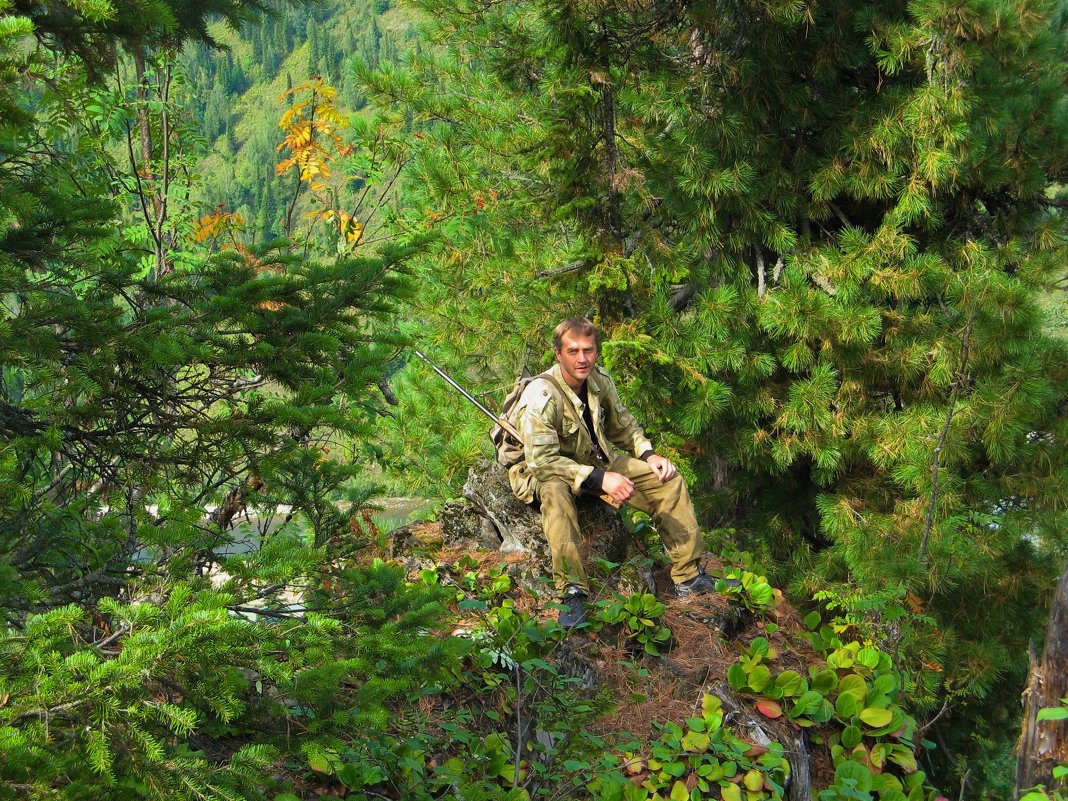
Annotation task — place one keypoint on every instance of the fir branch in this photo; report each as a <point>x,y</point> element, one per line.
<point>274,613</point>
<point>59,710</point>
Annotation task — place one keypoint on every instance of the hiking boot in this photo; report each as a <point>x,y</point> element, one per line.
<point>575,614</point>
<point>698,585</point>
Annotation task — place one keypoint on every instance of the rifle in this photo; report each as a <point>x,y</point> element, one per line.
<point>507,426</point>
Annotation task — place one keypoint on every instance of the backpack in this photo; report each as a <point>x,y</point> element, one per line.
<point>509,449</point>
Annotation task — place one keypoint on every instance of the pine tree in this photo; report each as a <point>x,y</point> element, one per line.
<point>817,236</point>
<point>311,35</point>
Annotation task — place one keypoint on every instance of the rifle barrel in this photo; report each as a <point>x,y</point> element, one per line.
<point>495,418</point>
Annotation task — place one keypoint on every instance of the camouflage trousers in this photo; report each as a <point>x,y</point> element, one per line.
<point>668,504</point>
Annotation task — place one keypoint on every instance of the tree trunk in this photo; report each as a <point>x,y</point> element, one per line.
<point>144,124</point>
<point>606,539</point>
<point>1044,745</point>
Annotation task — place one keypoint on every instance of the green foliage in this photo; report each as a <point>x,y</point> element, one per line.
<point>91,714</point>
<point>861,694</point>
<point>751,590</point>
<point>816,238</point>
<point>639,615</point>
<point>184,612</point>
<point>706,751</point>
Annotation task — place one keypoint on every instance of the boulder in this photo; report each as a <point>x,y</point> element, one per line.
<point>463,527</point>
<point>607,542</point>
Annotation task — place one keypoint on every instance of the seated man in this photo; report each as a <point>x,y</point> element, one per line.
<point>570,446</point>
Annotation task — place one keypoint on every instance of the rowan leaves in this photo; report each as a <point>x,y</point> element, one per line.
<point>311,126</point>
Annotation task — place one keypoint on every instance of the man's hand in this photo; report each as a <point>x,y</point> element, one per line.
<point>662,466</point>
<point>617,487</point>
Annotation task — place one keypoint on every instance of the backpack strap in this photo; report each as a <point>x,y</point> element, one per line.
<point>598,448</point>
<point>567,398</point>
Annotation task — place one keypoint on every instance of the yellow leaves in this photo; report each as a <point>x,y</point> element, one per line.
<point>313,145</point>
<point>348,227</point>
<point>300,133</point>
<point>217,222</point>
<point>311,128</point>
<point>351,229</point>
<point>282,167</point>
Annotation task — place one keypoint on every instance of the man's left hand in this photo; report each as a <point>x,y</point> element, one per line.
<point>662,466</point>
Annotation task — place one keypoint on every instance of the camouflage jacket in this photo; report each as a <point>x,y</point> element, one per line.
<point>555,444</point>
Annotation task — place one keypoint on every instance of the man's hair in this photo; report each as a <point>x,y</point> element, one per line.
<point>580,327</point>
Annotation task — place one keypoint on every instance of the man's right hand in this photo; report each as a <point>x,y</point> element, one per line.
<point>617,486</point>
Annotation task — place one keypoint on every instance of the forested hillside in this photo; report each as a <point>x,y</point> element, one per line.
<point>825,243</point>
<point>237,95</point>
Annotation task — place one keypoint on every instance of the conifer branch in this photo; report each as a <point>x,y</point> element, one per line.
<point>761,279</point>
<point>839,214</point>
<point>275,613</point>
<point>39,714</point>
<point>119,632</point>
<point>567,268</point>
<point>928,523</point>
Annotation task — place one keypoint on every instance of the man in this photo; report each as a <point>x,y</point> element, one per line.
<point>578,437</point>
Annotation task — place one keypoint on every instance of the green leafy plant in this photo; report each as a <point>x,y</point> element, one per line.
<point>751,590</point>
<point>703,759</point>
<point>639,615</point>
<point>857,689</point>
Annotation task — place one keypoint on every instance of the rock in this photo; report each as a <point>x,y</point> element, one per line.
<point>606,537</point>
<point>419,536</point>
<point>571,661</point>
<point>729,619</point>
<point>463,527</point>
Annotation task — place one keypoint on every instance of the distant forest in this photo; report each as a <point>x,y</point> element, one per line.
<point>236,95</point>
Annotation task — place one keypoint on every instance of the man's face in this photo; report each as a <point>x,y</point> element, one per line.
<point>577,356</point>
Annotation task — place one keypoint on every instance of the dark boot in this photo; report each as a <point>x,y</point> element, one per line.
<point>574,599</point>
<point>698,585</point>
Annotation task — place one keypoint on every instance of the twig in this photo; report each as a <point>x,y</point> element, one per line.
<point>518,726</point>
<point>111,637</point>
<point>928,523</point>
<point>267,612</point>
<point>761,277</point>
<point>567,268</point>
<point>44,713</point>
<point>839,214</point>
<point>945,708</point>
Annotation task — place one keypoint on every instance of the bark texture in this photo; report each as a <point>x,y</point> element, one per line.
<point>1044,744</point>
